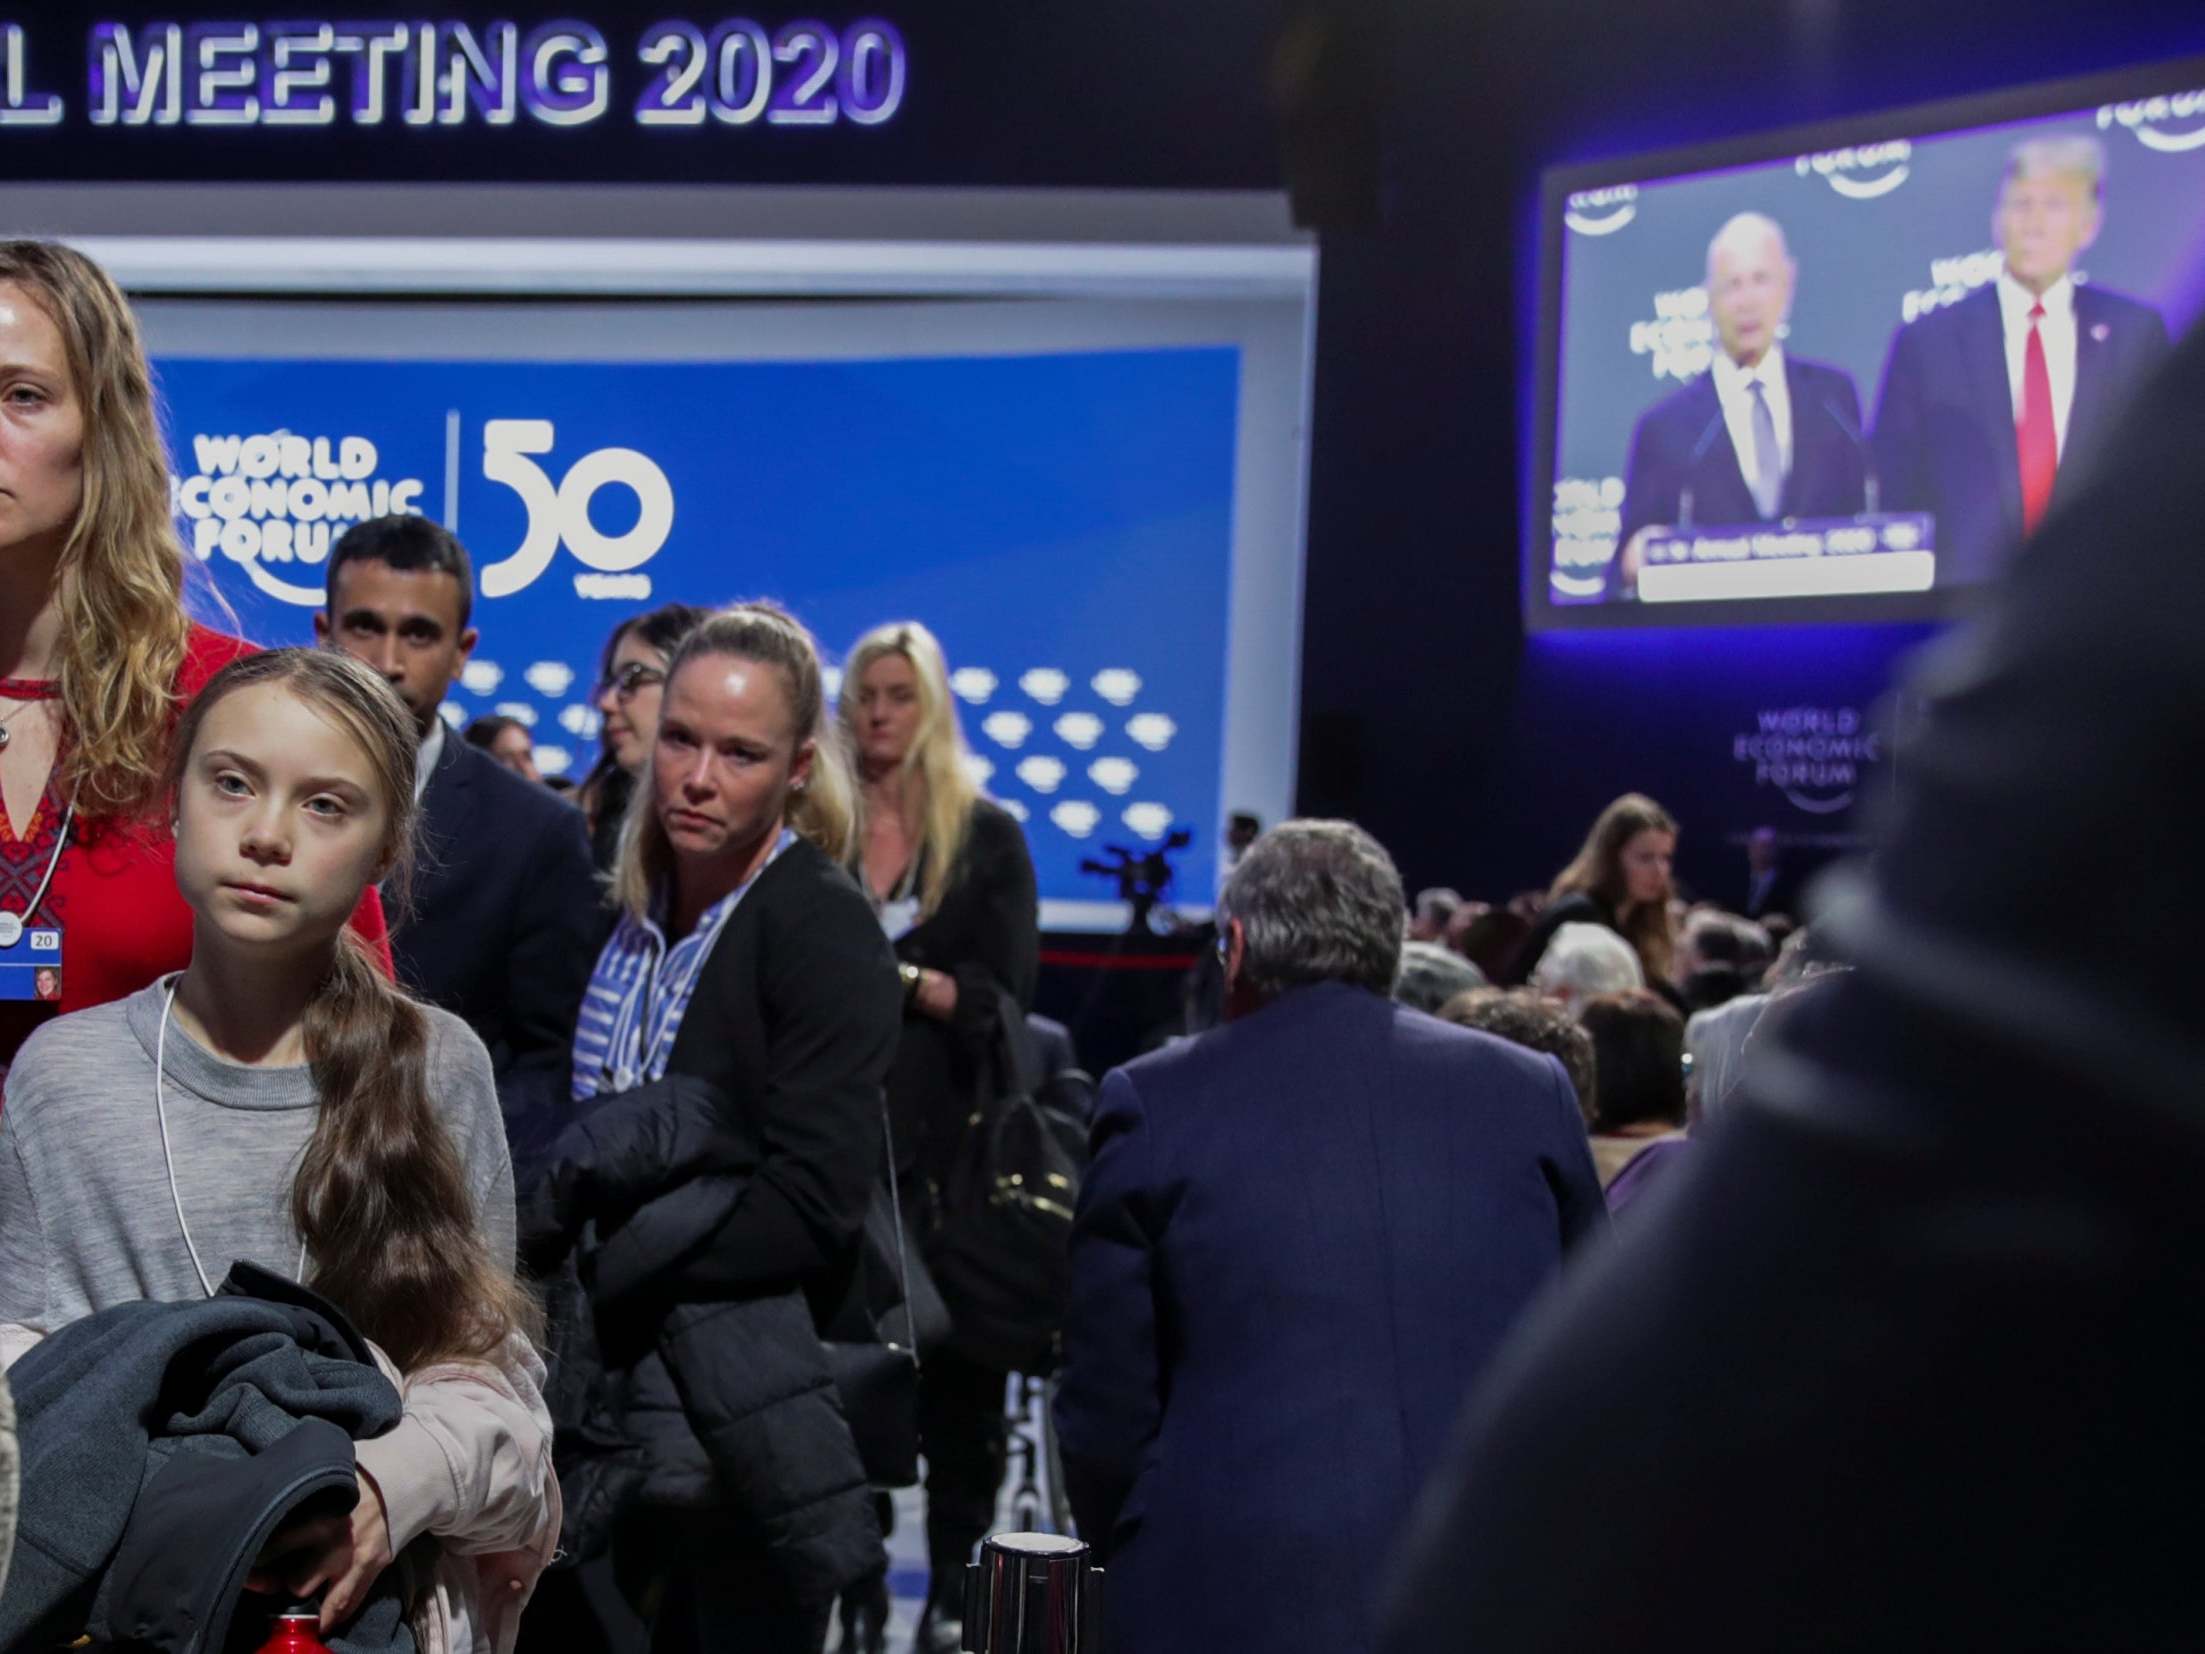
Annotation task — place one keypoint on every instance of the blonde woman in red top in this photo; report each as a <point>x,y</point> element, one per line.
<point>97,652</point>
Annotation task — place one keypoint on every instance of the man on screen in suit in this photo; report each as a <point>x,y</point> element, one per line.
<point>1991,404</point>
<point>504,920</point>
<point>1760,436</point>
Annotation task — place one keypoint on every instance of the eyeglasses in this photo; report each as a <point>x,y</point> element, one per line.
<point>631,679</point>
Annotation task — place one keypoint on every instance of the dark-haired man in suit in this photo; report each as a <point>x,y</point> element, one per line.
<point>1991,405</point>
<point>505,919</point>
<point>1771,887</point>
<point>1762,434</point>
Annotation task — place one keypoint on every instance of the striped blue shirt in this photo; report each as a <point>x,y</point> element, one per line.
<point>640,989</point>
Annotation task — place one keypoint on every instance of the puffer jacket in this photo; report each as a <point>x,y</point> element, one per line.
<point>670,1399</point>
<point>163,1443</point>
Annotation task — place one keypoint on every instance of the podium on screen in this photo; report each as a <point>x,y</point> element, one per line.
<point>1795,557</point>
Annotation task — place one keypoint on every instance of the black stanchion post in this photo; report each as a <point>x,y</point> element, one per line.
<point>1033,1593</point>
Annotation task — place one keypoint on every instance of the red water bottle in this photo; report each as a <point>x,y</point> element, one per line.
<point>297,1631</point>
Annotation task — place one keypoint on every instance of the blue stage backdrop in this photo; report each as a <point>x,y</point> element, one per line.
<point>1062,522</point>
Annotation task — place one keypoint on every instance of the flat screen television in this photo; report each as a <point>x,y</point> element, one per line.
<point>1839,373</point>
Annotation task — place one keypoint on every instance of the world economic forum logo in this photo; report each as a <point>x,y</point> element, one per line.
<point>1862,173</point>
<point>2171,124</point>
<point>1603,211</point>
<point>273,502</point>
<point>1816,756</point>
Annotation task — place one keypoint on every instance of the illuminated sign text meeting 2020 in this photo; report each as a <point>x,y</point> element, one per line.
<point>733,72</point>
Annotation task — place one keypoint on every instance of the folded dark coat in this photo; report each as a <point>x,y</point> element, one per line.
<point>162,1444</point>
<point>671,1396</point>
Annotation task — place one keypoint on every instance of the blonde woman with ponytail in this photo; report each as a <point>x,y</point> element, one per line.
<point>97,649</point>
<point>747,964</point>
<point>952,882</point>
<point>279,1101</point>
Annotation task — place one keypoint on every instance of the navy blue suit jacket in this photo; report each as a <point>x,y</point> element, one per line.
<point>1301,1238</point>
<point>506,917</point>
<point>1945,438</point>
<point>1829,467</point>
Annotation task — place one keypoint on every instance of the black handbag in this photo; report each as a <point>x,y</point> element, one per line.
<point>878,1378</point>
<point>1000,1246</point>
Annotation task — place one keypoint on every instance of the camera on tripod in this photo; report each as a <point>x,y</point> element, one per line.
<point>1142,877</point>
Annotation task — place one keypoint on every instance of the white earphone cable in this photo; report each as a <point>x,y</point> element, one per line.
<point>168,1159</point>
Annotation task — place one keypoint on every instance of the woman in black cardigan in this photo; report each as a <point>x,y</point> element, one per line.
<point>949,875</point>
<point>746,957</point>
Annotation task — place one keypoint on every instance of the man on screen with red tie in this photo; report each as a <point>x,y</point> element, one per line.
<point>1991,404</point>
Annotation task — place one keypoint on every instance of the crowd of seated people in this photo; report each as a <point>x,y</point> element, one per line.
<point>1647,997</point>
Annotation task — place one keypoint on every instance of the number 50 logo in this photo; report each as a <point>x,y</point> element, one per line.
<point>559,513</point>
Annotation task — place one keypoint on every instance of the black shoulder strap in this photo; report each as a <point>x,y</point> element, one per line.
<point>895,1214</point>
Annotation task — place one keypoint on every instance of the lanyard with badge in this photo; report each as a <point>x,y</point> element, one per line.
<point>899,909</point>
<point>30,953</point>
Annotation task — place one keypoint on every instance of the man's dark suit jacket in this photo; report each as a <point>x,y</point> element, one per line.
<point>1945,438</point>
<point>1905,1354</point>
<point>1302,1236</point>
<point>506,916</point>
<point>1828,467</point>
<point>1779,895</point>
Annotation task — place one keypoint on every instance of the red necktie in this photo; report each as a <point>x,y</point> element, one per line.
<point>2040,450</point>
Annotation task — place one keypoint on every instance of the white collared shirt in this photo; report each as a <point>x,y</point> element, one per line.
<point>424,763</point>
<point>2014,302</point>
<point>1732,391</point>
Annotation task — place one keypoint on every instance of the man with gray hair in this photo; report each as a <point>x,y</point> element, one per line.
<point>1431,975</point>
<point>1434,909</point>
<point>1762,434</point>
<point>1991,407</point>
<point>1584,961</point>
<point>1301,1238</point>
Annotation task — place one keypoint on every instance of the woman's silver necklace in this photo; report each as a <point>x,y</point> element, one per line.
<point>9,719</point>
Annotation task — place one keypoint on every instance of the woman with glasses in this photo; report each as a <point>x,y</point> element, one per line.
<point>630,681</point>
